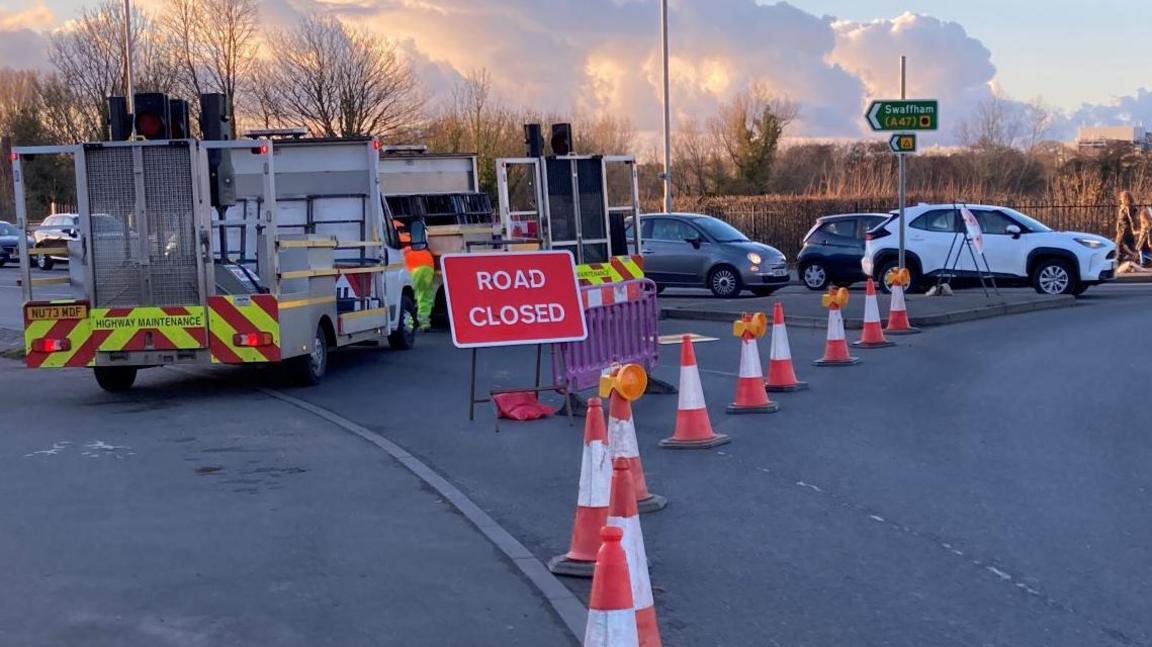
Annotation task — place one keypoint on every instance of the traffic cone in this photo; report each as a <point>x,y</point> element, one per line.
<point>898,313</point>
<point>693,428</point>
<point>751,396</point>
<point>611,614</point>
<point>873,335</point>
<point>592,501</point>
<point>622,514</point>
<point>622,444</point>
<point>836,347</point>
<point>781,373</point>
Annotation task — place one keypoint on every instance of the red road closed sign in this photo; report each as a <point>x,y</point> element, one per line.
<point>511,298</point>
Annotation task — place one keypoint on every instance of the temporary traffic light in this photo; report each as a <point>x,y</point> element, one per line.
<point>561,139</point>
<point>152,115</point>
<point>216,125</point>
<point>178,111</point>
<point>119,120</point>
<point>534,140</point>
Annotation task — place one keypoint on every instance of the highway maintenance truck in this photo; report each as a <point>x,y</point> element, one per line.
<point>192,252</point>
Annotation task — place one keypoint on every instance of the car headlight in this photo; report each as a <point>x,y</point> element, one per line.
<point>1090,243</point>
<point>755,258</point>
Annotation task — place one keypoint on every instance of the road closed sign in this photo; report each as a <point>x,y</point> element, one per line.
<point>513,298</point>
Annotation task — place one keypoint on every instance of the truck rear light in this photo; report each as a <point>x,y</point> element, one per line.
<point>50,345</point>
<point>252,339</point>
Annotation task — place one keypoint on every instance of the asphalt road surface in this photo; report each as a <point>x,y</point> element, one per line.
<point>979,484</point>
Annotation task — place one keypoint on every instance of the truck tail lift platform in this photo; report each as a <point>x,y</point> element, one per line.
<point>306,258</point>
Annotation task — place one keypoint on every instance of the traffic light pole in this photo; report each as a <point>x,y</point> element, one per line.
<point>129,81</point>
<point>900,157</point>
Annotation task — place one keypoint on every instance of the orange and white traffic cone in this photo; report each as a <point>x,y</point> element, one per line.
<point>751,396</point>
<point>781,373</point>
<point>592,501</point>
<point>836,346</point>
<point>622,434</point>
<point>611,611</point>
<point>622,514</point>
<point>693,428</point>
<point>898,312</point>
<point>873,334</point>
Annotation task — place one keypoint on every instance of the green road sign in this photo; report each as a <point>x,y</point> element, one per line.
<point>897,114</point>
<point>903,143</point>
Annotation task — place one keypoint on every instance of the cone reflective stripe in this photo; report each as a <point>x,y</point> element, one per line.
<point>898,314</point>
<point>611,612</point>
<point>622,514</point>
<point>693,427</point>
<point>592,500</point>
<point>622,444</point>
<point>781,373</point>
<point>873,335</point>
<point>751,397</point>
<point>836,347</point>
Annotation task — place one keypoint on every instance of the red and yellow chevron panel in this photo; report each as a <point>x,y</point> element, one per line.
<point>618,268</point>
<point>57,334</point>
<point>244,328</point>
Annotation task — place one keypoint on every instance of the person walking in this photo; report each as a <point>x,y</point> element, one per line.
<point>1126,230</point>
<point>421,266</point>
<point>1143,237</point>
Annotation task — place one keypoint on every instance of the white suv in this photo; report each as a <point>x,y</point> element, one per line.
<point>1018,249</point>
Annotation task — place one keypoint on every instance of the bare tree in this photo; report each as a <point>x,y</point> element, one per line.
<point>747,130</point>
<point>994,124</point>
<point>695,160</point>
<point>89,57</point>
<point>604,134</point>
<point>341,81</point>
<point>213,43</point>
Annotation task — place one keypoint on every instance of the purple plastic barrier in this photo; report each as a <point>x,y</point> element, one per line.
<point>621,333</point>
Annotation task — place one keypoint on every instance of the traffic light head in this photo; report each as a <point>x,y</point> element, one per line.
<point>119,119</point>
<point>561,139</point>
<point>178,112</point>
<point>153,119</point>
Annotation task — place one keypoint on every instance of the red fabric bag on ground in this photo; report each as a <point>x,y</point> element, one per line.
<point>521,405</point>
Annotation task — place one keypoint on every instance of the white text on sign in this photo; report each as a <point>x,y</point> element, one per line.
<point>483,316</point>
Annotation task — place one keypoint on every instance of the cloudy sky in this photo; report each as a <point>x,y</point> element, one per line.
<point>831,56</point>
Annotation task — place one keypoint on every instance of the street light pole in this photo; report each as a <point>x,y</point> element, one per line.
<point>666,176</point>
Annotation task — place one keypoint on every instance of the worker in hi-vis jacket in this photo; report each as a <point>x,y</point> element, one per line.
<point>422,268</point>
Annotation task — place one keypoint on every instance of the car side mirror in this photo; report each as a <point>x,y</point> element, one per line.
<point>1014,230</point>
<point>419,233</point>
<point>695,242</point>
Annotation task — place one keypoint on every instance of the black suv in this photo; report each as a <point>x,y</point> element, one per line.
<point>833,249</point>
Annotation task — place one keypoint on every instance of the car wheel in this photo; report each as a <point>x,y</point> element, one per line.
<point>115,379</point>
<point>404,337</point>
<point>888,266</point>
<point>44,262</point>
<point>763,291</point>
<point>308,370</point>
<point>1053,276</point>
<point>814,276</point>
<point>724,282</point>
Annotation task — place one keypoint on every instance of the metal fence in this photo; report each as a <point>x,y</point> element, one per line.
<point>782,221</point>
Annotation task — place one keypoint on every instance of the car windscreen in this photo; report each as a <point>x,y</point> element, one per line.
<point>719,230</point>
<point>1028,221</point>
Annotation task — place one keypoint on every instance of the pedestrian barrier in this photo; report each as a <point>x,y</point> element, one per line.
<point>620,332</point>
<point>751,395</point>
<point>835,345</point>
<point>781,373</point>
<point>592,500</point>
<point>693,428</point>
<point>611,611</point>
<point>622,514</point>
<point>873,335</point>
<point>898,312</point>
<point>621,385</point>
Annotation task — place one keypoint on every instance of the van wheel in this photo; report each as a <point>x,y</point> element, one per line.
<point>404,337</point>
<point>308,370</point>
<point>115,379</point>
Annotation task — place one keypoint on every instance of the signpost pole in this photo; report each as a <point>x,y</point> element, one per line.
<point>667,177</point>
<point>900,157</point>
